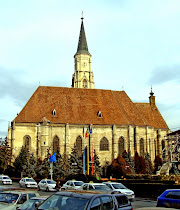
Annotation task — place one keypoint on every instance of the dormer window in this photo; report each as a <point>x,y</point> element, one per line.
<point>99,114</point>
<point>54,112</point>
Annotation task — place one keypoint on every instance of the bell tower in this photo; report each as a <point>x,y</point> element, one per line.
<point>83,76</point>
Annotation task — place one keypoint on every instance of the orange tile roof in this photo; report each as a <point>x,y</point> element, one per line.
<point>80,106</point>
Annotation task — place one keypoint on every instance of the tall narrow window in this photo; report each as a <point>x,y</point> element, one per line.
<point>121,146</point>
<point>104,144</point>
<point>56,146</point>
<point>141,147</point>
<point>84,83</point>
<point>27,142</point>
<point>79,144</point>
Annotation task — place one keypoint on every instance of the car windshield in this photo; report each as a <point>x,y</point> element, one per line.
<point>63,202</point>
<point>30,204</point>
<point>51,182</point>
<point>119,186</point>
<point>101,187</point>
<point>30,180</point>
<point>78,183</point>
<point>8,197</point>
<point>6,178</point>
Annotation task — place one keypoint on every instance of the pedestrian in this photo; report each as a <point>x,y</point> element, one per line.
<point>58,186</point>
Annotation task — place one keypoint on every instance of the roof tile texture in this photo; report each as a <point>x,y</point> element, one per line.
<point>80,106</point>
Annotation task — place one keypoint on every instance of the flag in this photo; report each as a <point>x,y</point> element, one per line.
<point>53,157</point>
<point>83,131</point>
<point>87,133</point>
<point>91,131</point>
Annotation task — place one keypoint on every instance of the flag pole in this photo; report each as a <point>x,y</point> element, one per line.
<point>92,159</point>
<point>83,158</point>
<point>88,157</point>
<point>83,154</point>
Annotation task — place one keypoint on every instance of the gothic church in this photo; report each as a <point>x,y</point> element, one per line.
<point>54,118</point>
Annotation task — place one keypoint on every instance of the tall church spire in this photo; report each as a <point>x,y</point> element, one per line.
<point>82,44</point>
<point>83,76</point>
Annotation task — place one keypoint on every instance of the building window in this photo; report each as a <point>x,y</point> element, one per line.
<point>141,147</point>
<point>121,146</point>
<point>56,147</point>
<point>79,144</point>
<point>99,114</point>
<point>27,142</point>
<point>104,144</point>
<point>54,112</point>
<point>84,83</point>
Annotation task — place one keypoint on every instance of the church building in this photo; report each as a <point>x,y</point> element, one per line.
<point>54,118</point>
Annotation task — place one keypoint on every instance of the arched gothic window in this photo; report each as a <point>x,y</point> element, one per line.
<point>79,144</point>
<point>104,144</point>
<point>121,146</point>
<point>84,83</point>
<point>141,147</point>
<point>56,146</point>
<point>27,142</point>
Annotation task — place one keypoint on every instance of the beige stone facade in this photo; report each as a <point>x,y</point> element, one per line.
<point>42,136</point>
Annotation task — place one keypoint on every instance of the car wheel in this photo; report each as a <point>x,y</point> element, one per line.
<point>26,185</point>
<point>47,189</point>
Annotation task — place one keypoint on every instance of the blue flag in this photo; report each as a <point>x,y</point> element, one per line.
<point>53,157</point>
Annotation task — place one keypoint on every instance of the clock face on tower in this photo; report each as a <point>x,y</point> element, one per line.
<point>84,64</point>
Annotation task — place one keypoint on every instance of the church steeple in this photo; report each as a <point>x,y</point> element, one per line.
<point>82,44</point>
<point>83,76</point>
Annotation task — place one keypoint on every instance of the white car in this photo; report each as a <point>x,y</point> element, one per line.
<point>4,179</point>
<point>94,187</point>
<point>116,186</point>
<point>72,185</point>
<point>28,182</point>
<point>47,184</point>
<point>10,200</point>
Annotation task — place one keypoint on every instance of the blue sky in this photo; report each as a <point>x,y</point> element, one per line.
<point>134,44</point>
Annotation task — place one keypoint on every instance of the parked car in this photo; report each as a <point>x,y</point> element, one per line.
<point>72,184</point>
<point>95,187</point>
<point>28,182</point>
<point>9,200</point>
<point>32,203</point>
<point>47,184</point>
<point>85,201</point>
<point>169,198</point>
<point>123,201</point>
<point>4,179</point>
<point>116,186</point>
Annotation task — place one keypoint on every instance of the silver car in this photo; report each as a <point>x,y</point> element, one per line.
<point>72,185</point>
<point>116,186</point>
<point>47,185</point>
<point>28,182</point>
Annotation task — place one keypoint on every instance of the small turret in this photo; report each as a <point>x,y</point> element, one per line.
<point>152,99</point>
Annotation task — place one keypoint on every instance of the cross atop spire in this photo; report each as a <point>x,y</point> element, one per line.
<point>82,16</point>
<point>151,93</point>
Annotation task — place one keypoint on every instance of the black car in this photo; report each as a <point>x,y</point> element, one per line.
<point>82,201</point>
